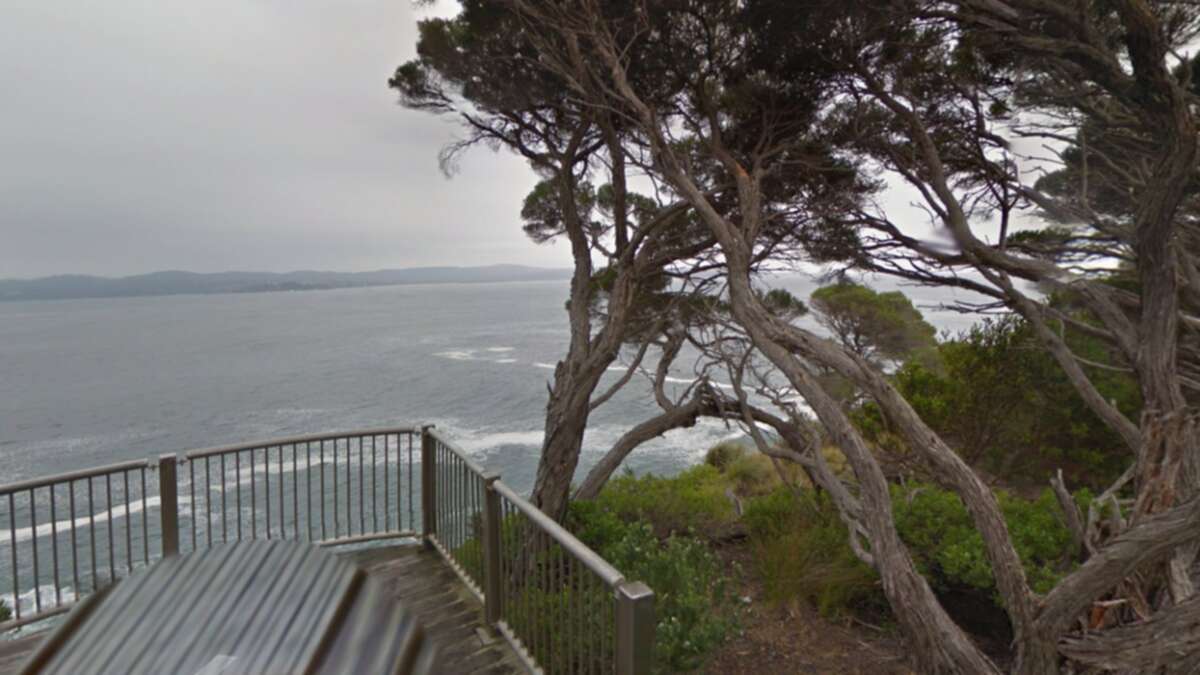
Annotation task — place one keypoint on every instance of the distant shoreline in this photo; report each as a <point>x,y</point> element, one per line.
<point>156,284</point>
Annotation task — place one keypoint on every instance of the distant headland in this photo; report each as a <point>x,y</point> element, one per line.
<point>175,282</point>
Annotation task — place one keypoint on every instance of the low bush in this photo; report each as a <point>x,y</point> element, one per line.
<point>5,612</point>
<point>949,549</point>
<point>693,500</point>
<point>723,454</point>
<point>693,605</point>
<point>802,553</point>
<point>692,602</point>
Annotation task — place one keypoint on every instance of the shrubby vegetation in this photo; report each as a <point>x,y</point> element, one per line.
<point>5,612</point>
<point>643,527</point>
<point>1009,410</point>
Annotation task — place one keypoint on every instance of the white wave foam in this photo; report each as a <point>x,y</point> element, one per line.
<point>457,354</point>
<point>505,361</point>
<point>476,442</point>
<point>498,349</point>
<point>547,366</point>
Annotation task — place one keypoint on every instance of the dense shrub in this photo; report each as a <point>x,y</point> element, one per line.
<point>801,549</point>
<point>693,605</point>
<point>949,549</point>
<point>723,454</point>
<point>693,500</point>
<point>692,602</point>
<point>5,612</point>
<point>1006,406</point>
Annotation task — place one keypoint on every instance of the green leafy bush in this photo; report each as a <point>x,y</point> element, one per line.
<point>691,599</point>
<point>1004,403</point>
<point>723,454</point>
<point>949,549</point>
<point>5,612</point>
<point>802,553</point>
<point>693,500</point>
<point>693,605</point>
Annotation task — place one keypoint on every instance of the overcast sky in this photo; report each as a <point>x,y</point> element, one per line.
<point>233,134</point>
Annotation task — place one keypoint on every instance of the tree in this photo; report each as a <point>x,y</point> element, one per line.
<point>1003,403</point>
<point>478,68</point>
<point>923,90</point>
<point>880,327</point>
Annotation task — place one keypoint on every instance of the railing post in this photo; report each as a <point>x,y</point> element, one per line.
<point>168,494</point>
<point>635,628</point>
<point>428,486</point>
<point>492,595</point>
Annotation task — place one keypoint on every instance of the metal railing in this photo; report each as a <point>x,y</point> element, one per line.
<point>561,606</point>
<point>72,534</point>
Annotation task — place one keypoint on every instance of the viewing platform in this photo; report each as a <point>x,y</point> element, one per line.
<point>496,585</point>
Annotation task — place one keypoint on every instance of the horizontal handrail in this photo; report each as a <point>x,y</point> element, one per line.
<point>81,474</point>
<point>293,440</point>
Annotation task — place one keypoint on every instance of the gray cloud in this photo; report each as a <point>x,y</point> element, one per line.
<point>233,134</point>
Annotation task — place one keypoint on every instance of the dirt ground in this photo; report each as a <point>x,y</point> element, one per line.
<point>796,639</point>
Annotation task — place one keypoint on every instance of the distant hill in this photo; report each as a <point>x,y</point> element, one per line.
<point>175,282</point>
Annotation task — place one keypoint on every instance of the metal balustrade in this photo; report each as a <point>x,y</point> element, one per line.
<point>562,607</point>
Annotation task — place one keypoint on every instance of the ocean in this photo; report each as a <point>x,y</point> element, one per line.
<point>89,382</point>
<point>85,383</point>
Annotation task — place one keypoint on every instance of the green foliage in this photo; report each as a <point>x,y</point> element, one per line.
<point>1005,404</point>
<point>878,326</point>
<point>693,605</point>
<point>5,612</point>
<point>723,454</point>
<point>691,598</point>
<point>754,474</point>
<point>949,549</point>
<point>783,304</point>
<point>802,552</point>
<point>695,499</point>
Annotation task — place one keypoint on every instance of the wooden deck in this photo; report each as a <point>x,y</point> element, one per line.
<point>419,579</point>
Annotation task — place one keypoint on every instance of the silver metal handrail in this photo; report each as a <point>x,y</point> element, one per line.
<point>562,607</point>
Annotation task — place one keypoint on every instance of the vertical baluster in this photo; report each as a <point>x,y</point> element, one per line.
<point>387,502</point>
<point>336,502</point>
<point>145,521</point>
<point>237,496</point>
<point>224,508</point>
<point>54,547</point>
<point>282,522</point>
<point>295,495</point>
<point>375,487</point>
<point>192,498</point>
<point>112,560</point>
<point>92,530</point>
<point>322,495</point>
<point>552,607</point>
<point>37,583</point>
<point>412,523</point>
<point>349,512</point>
<point>308,487</point>
<point>74,543</point>
<point>267,487</point>
<point>253,499</point>
<point>208,528</point>
<point>362,520</point>
<point>128,526</point>
<point>12,539</point>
